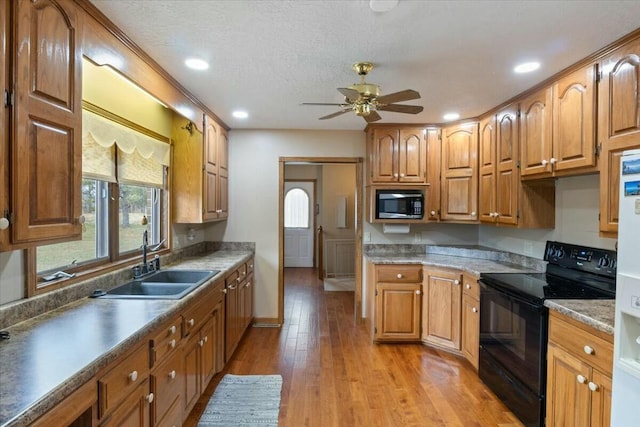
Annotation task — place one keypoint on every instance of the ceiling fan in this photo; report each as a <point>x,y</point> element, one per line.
<point>365,100</point>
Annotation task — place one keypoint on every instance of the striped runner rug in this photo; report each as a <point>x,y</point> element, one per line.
<point>244,400</point>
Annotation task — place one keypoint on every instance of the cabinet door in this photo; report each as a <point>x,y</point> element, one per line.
<point>412,155</point>
<point>383,155</point>
<point>600,399</point>
<point>536,133</point>
<point>223,174</point>
<point>619,124</point>
<point>247,303</point>
<point>231,320</point>
<point>5,241</point>
<point>218,319</point>
<point>441,309</point>
<point>167,381</point>
<point>432,201</point>
<point>398,311</point>
<point>47,154</point>
<point>470,329</point>
<point>574,107</point>
<point>487,141</point>
<point>568,395</point>
<point>191,366</point>
<point>507,178</point>
<point>208,352</point>
<point>210,170</point>
<point>459,193</point>
<point>134,410</point>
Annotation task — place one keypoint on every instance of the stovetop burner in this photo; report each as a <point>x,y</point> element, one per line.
<point>573,272</point>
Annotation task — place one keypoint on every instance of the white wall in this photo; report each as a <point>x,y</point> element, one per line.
<point>577,209</point>
<point>11,276</point>
<point>338,181</point>
<point>253,194</point>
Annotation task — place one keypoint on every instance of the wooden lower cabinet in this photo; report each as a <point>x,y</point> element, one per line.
<point>441,305</point>
<point>397,294</point>
<point>579,369</point>
<point>78,409</point>
<point>239,305</point>
<point>470,319</point>
<point>167,380</point>
<point>134,410</point>
<point>199,358</point>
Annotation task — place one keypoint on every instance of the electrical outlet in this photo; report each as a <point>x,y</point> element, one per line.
<point>528,248</point>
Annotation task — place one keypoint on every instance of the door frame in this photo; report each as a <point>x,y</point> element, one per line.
<point>313,213</point>
<point>359,210</point>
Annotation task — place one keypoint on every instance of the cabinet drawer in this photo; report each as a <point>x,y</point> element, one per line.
<point>582,344</point>
<point>399,273</point>
<point>242,271</point>
<point>250,266</point>
<point>232,279</point>
<point>470,286</point>
<point>166,340</point>
<point>166,382</point>
<point>120,381</point>
<point>195,315</point>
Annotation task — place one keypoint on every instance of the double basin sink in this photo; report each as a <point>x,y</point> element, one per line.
<point>164,284</point>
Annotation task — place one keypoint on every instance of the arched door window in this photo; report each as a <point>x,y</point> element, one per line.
<point>296,209</point>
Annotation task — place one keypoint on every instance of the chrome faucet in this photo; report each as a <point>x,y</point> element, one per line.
<point>145,243</point>
<point>147,267</point>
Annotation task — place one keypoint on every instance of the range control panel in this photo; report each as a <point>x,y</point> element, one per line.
<point>583,258</point>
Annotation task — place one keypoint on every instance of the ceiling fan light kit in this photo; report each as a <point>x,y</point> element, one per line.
<point>365,100</point>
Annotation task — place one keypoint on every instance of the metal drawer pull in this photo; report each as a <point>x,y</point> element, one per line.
<point>133,375</point>
<point>456,282</point>
<point>588,349</point>
<point>172,343</point>
<point>172,330</point>
<point>468,286</point>
<point>581,379</point>
<point>475,310</point>
<point>593,386</point>
<point>191,322</point>
<point>418,292</point>
<point>150,398</point>
<point>172,374</point>
<point>224,291</point>
<point>201,343</point>
<point>206,338</point>
<point>399,276</point>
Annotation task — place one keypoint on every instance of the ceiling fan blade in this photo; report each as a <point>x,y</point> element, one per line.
<point>399,108</point>
<point>323,103</point>
<point>372,117</point>
<point>351,94</point>
<point>331,116</point>
<point>404,95</point>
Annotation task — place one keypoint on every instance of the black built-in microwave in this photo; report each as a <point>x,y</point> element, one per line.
<point>399,204</point>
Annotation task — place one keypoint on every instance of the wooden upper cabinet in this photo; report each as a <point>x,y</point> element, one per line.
<point>574,120</point>
<point>397,155</point>
<point>223,174</point>
<point>459,186</point>
<point>618,125</point>
<point>210,169</point>
<point>47,143</point>
<point>507,177</point>
<point>487,173</point>
<point>536,133</point>
<point>432,201</point>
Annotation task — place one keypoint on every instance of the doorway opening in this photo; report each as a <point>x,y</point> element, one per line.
<point>320,215</point>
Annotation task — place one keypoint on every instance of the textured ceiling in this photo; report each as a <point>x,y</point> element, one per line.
<point>267,57</point>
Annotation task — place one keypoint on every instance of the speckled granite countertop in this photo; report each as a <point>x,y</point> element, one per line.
<point>599,314</point>
<point>51,355</point>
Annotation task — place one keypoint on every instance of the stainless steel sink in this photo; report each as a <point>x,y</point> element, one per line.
<point>165,284</point>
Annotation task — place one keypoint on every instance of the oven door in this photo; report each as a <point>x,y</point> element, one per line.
<point>513,332</point>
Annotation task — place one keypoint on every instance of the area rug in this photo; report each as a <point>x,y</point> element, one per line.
<point>339,284</point>
<point>244,400</point>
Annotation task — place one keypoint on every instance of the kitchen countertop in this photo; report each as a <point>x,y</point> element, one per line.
<point>51,355</point>
<point>599,314</point>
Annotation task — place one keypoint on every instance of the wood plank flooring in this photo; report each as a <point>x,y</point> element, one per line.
<point>334,376</point>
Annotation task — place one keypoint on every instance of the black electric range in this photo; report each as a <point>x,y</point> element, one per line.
<point>514,321</point>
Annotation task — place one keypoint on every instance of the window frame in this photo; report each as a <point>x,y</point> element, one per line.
<point>114,260</point>
<point>309,208</point>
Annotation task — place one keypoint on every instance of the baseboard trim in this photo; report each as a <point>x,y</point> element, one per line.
<point>266,322</point>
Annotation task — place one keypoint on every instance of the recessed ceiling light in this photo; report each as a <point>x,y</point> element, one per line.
<point>382,5</point>
<point>196,64</point>
<point>240,114</point>
<point>451,116</point>
<point>527,67</point>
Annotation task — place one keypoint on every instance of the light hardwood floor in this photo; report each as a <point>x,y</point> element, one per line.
<point>334,376</point>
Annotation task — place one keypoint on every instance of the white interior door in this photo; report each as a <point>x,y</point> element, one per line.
<point>298,223</point>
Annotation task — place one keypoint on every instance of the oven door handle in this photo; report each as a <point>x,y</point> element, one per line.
<point>511,296</point>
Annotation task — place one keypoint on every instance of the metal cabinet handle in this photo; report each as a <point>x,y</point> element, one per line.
<point>238,279</point>
<point>401,175</point>
<point>475,310</point>
<point>433,213</point>
<point>150,397</point>
<point>544,162</point>
<point>172,330</point>
<point>191,322</point>
<point>418,292</point>
<point>588,350</point>
<point>4,223</point>
<point>395,175</point>
<point>581,379</point>
<point>473,213</point>
<point>206,338</point>
<point>399,276</point>
<point>172,343</point>
<point>468,286</point>
<point>172,374</point>
<point>201,343</point>
<point>133,375</point>
<point>224,291</point>
<point>456,282</point>
<point>553,160</point>
<point>593,386</point>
